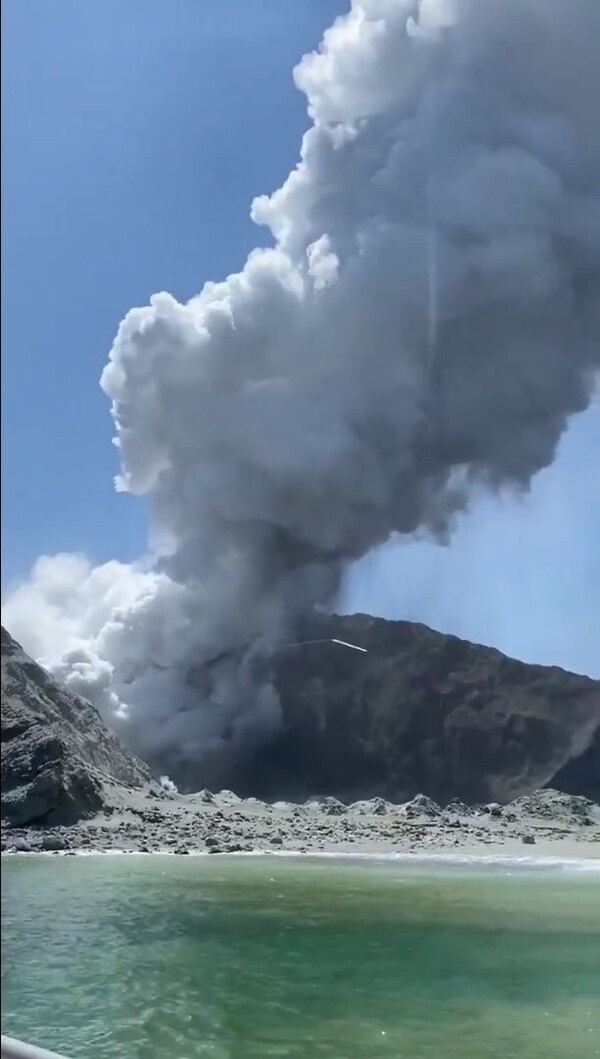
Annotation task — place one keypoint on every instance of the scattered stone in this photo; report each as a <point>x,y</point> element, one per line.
<point>458,808</point>
<point>371,806</point>
<point>421,805</point>
<point>53,843</point>
<point>20,845</point>
<point>553,805</point>
<point>528,840</point>
<point>333,807</point>
<point>229,796</point>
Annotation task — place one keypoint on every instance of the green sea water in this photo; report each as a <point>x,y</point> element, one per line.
<point>182,957</point>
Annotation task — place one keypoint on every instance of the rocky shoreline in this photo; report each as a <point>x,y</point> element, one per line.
<point>70,786</point>
<point>546,823</point>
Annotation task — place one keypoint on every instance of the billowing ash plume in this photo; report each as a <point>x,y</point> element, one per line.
<point>427,319</point>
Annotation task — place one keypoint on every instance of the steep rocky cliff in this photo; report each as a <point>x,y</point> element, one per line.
<point>417,711</point>
<point>421,712</point>
<point>58,757</point>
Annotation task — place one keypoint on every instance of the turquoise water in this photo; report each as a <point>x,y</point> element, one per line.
<point>187,957</point>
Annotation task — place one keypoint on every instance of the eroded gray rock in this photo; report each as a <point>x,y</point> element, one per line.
<point>421,805</point>
<point>59,760</point>
<point>371,806</point>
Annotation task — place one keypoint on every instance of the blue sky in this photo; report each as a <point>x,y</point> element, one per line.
<point>135,135</point>
<point>521,573</point>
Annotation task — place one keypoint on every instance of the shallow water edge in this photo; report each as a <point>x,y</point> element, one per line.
<point>433,861</point>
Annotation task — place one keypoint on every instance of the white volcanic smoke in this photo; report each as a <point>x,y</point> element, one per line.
<point>427,320</point>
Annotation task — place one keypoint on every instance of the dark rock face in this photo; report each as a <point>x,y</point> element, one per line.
<point>418,713</point>
<point>57,754</point>
<point>421,712</point>
<point>581,775</point>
